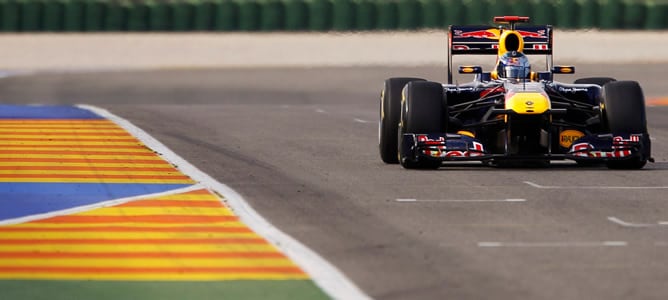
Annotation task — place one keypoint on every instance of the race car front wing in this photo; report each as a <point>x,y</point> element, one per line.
<point>455,147</point>
<point>610,147</point>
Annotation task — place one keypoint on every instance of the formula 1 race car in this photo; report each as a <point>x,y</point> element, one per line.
<point>511,115</point>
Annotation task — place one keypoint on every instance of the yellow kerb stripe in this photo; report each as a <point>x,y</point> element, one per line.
<point>78,156</point>
<point>146,262</point>
<point>139,248</point>
<point>161,276</point>
<point>166,211</point>
<point>120,164</point>
<point>100,180</point>
<point>92,172</point>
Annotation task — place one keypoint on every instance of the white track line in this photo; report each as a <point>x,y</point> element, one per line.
<point>362,121</point>
<point>628,224</point>
<point>108,203</point>
<point>551,244</point>
<point>538,186</point>
<point>460,200</point>
<point>324,274</point>
<point>405,200</point>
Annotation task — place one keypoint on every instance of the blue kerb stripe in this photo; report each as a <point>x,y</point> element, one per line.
<point>8,111</point>
<point>22,199</point>
<point>28,198</point>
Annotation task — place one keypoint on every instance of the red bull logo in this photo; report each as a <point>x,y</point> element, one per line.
<point>479,34</point>
<point>540,34</point>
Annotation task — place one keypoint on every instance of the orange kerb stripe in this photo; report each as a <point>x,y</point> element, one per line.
<point>100,176</point>
<point>70,140</point>
<point>195,229</point>
<point>142,219</point>
<point>62,152</point>
<point>185,255</point>
<point>197,192</point>
<point>658,101</point>
<point>77,146</point>
<point>91,168</point>
<point>101,133</point>
<point>168,203</point>
<point>87,160</point>
<point>55,121</point>
<point>138,241</point>
<point>60,126</point>
<point>97,270</point>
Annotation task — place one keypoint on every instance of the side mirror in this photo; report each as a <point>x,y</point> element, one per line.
<point>470,69</point>
<point>563,69</point>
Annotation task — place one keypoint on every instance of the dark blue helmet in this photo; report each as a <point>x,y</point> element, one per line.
<point>513,65</point>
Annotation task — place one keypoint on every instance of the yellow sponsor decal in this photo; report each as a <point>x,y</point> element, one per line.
<point>567,137</point>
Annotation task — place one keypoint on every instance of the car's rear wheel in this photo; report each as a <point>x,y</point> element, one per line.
<point>624,110</point>
<point>390,112</point>
<point>422,112</point>
<point>594,80</point>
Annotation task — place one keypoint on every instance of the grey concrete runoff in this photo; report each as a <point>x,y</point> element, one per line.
<point>115,51</point>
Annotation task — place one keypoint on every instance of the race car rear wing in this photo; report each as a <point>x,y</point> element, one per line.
<point>484,40</point>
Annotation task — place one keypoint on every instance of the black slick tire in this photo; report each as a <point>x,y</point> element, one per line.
<point>422,111</point>
<point>390,113</point>
<point>598,81</point>
<point>594,80</point>
<point>624,110</point>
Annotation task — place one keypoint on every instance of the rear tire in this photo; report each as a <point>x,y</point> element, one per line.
<point>594,80</point>
<point>624,110</point>
<point>390,113</point>
<point>422,112</point>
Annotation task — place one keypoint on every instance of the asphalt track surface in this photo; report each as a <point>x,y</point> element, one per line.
<point>301,146</point>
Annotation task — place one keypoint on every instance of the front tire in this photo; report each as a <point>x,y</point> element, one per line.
<point>422,112</point>
<point>594,80</point>
<point>624,110</point>
<point>390,112</point>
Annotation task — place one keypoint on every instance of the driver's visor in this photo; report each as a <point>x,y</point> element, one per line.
<point>516,72</point>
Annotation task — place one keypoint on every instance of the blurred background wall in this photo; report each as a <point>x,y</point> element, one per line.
<point>319,15</point>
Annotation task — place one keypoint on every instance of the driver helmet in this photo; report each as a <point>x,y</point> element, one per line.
<point>513,65</point>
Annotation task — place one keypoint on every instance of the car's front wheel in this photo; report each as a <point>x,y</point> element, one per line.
<point>624,110</point>
<point>422,112</point>
<point>390,112</point>
<point>594,80</point>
